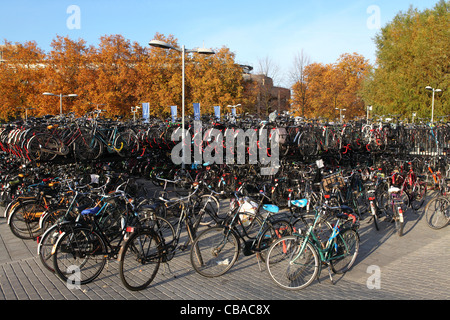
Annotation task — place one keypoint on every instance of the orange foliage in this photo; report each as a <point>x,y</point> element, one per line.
<point>331,86</point>
<point>115,76</point>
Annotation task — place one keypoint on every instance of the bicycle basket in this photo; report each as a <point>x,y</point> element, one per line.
<point>331,181</point>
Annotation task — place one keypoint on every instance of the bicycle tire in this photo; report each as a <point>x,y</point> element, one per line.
<point>287,268</point>
<point>160,225</point>
<point>437,212</point>
<point>209,206</point>
<point>347,245</point>
<point>24,220</point>
<point>275,230</point>
<point>45,246</point>
<point>79,255</point>
<point>140,259</point>
<point>208,259</point>
<point>300,225</point>
<point>39,141</point>
<point>398,221</point>
<point>87,147</point>
<point>126,144</point>
<point>418,194</point>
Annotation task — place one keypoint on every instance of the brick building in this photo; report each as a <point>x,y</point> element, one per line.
<point>268,97</point>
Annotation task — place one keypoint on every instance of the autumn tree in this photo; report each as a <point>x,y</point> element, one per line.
<point>412,53</point>
<point>333,86</point>
<point>115,75</point>
<point>65,71</point>
<point>297,75</point>
<point>20,76</point>
<point>214,80</point>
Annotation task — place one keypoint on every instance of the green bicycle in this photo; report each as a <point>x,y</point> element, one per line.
<point>295,261</point>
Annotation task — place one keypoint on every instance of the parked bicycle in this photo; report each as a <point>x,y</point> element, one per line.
<point>295,261</point>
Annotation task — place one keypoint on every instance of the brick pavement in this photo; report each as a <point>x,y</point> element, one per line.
<point>414,266</point>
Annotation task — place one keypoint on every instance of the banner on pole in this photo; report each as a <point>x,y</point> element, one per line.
<point>173,110</point>
<point>146,111</point>
<point>196,111</point>
<point>217,112</point>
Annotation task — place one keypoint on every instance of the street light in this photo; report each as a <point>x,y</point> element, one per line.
<point>60,98</point>
<point>183,51</point>
<point>432,103</point>
<point>369,108</point>
<point>340,113</point>
<point>233,118</point>
<point>134,110</point>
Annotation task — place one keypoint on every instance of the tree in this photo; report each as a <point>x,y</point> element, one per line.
<point>299,101</point>
<point>412,53</point>
<point>214,80</point>
<point>333,86</point>
<point>115,75</point>
<point>65,71</point>
<point>20,75</point>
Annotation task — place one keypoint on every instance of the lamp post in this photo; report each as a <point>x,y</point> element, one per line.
<point>369,108</point>
<point>183,51</point>
<point>134,110</point>
<point>340,113</point>
<point>432,103</point>
<point>60,98</point>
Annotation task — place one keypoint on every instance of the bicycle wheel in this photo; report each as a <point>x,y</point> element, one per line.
<point>398,219</point>
<point>87,147</point>
<point>288,267</point>
<point>161,226</point>
<point>302,224</point>
<point>42,147</point>
<point>24,220</point>
<point>126,144</point>
<point>345,251</point>
<point>437,212</point>
<point>208,206</point>
<point>79,256</point>
<point>140,259</point>
<point>214,251</point>
<point>45,246</point>
<point>418,194</point>
<point>274,231</point>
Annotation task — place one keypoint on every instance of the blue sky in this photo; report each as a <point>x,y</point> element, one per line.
<point>252,29</point>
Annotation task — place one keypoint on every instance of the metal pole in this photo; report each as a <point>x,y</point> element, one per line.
<point>60,104</point>
<point>183,52</point>
<point>432,107</point>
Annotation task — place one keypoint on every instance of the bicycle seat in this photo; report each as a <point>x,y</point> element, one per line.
<point>393,189</point>
<point>347,216</point>
<point>271,208</point>
<point>90,211</point>
<point>299,203</point>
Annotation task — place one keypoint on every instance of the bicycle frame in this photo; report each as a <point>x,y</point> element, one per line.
<point>326,252</point>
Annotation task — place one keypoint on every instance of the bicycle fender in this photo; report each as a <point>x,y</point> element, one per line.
<point>57,242</point>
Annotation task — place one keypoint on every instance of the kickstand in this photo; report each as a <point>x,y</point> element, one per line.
<point>166,265</point>
<point>331,277</point>
<point>259,264</point>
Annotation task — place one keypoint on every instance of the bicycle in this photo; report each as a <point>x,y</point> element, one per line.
<point>216,250</point>
<point>295,261</point>
<point>412,185</point>
<point>124,143</point>
<point>148,247</point>
<point>437,212</point>
<point>398,203</point>
<point>86,245</point>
